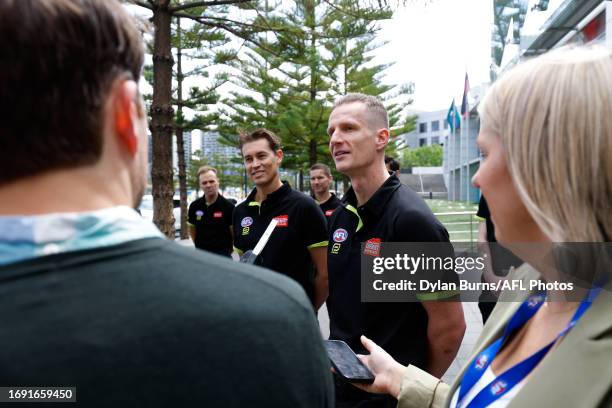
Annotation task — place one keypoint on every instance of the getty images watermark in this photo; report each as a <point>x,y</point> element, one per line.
<point>418,271</point>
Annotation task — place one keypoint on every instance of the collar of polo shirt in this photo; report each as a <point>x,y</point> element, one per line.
<point>376,204</point>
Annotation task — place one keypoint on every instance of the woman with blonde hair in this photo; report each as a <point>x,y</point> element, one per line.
<point>546,139</point>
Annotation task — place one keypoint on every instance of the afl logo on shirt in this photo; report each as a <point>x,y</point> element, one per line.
<point>481,362</point>
<point>340,235</point>
<point>498,387</point>
<point>246,222</point>
<point>199,214</point>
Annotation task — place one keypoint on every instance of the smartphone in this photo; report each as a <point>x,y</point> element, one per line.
<point>346,363</point>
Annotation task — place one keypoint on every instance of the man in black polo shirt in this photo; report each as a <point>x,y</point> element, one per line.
<point>320,180</point>
<point>300,237</point>
<point>210,216</point>
<point>376,209</point>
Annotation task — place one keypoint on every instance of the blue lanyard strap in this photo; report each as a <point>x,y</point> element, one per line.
<point>505,382</point>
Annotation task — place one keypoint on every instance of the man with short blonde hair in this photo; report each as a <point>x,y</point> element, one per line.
<point>372,104</point>
<point>378,209</point>
<point>210,216</point>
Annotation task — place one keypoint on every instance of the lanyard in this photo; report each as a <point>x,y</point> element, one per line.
<point>503,383</point>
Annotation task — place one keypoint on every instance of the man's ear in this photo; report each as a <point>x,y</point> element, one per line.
<point>127,115</point>
<point>279,156</point>
<point>382,138</point>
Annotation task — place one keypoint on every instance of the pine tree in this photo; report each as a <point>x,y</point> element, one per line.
<point>213,14</point>
<point>292,77</point>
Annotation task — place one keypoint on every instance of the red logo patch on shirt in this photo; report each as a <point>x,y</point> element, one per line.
<point>372,247</point>
<point>283,220</point>
<point>328,213</point>
<point>218,214</point>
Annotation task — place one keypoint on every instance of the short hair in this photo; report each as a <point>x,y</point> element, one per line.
<point>321,166</point>
<point>59,59</point>
<point>206,169</point>
<point>257,134</point>
<point>552,114</point>
<point>372,104</point>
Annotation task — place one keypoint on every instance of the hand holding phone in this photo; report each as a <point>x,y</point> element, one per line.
<point>346,363</point>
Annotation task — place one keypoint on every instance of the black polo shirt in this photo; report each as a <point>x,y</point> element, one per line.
<point>212,224</point>
<point>301,226</point>
<point>394,213</point>
<point>329,206</point>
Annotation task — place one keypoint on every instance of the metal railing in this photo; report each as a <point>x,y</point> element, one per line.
<point>462,226</point>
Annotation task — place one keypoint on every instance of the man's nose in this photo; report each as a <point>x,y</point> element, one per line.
<point>335,139</point>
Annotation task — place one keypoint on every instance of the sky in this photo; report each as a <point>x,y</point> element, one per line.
<point>434,44</point>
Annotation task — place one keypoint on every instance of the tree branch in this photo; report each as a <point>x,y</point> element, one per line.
<point>144,4</point>
<point>246,38</point>
<point>194,4</point>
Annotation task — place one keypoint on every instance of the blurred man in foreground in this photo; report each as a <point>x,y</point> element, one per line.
<point>92,296</point>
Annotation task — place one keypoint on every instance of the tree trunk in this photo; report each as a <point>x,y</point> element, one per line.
<point>312,143</point>
<point>312,152</point>
<point>180,145</point>
<point>161,122</point>
<point>301,180</point>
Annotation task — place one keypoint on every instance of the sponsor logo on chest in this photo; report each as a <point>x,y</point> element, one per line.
<point>328,213</point>
<point>372,247</point>
<point>282,220</point>
<point>218,214</point>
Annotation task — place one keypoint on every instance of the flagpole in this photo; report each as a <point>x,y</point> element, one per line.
<point>461,157</point>
<point>467,152</point>
<point>451,173</point>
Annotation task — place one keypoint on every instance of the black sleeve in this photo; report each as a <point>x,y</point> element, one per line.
<point>191,214</point>
<point>229,211</point>
<point>236,228</point>
<point>312,224</point>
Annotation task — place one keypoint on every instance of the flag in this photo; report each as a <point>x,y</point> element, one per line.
<point>453,117</point>
<point>465,109</point>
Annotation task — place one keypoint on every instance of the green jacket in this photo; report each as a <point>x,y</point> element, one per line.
<point>577,373</point>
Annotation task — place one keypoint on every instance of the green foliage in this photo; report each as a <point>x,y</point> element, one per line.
<point>424,156</point>
<point>230,173</point>
<point>502,14</point>
<point>197,161</point>
<point>289,79</point>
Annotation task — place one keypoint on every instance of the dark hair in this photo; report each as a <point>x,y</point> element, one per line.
<point>393,164</point>
<point>58,61</point>
<point>257,134</point>
<point>321,166</point>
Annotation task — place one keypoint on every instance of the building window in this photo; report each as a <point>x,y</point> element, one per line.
<point>445,124</point>
<point>422,127</point>
<point>422,142</point>
<point>435,125</point>
<point>435,140</point>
